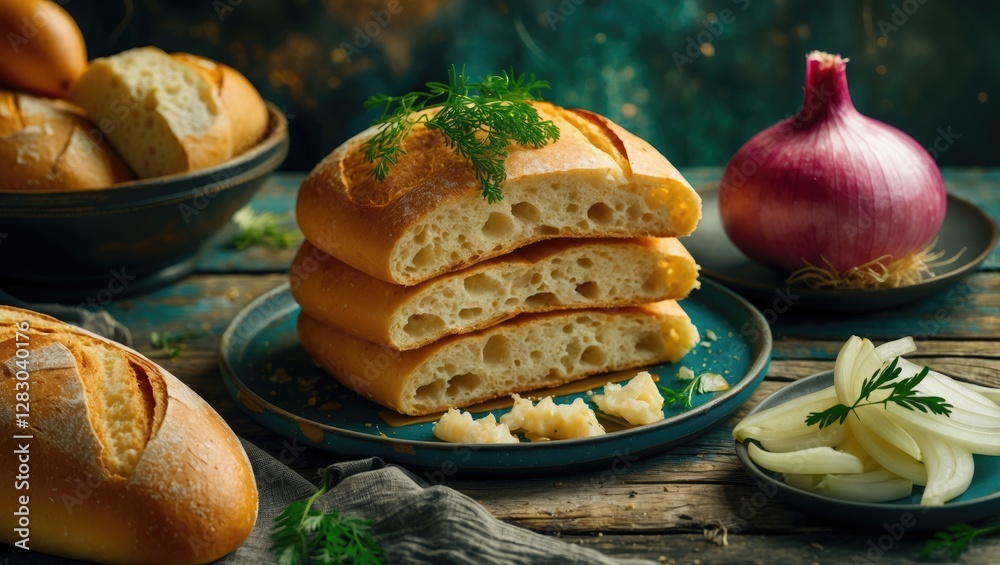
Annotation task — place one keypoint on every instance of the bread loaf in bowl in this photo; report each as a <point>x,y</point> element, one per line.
<point>429,217</point>
<point>528,352</point>
<point>241,102</point>
<point>48,145</point>
<point>42,51</point>
<point>547,275</point>
<point>124,463</point>
<point>169,114</point>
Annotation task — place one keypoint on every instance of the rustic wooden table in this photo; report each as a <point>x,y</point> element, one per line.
<point>657,508</point>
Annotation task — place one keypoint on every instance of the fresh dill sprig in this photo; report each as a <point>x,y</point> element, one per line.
<point>304,535</point>
<point>902,395</point>
<point>172,343</point>
<point>260,228</point>
<point>954,540</point>
<point>478,119</point>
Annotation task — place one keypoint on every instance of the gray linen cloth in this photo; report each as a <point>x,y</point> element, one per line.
<point>413,522</point>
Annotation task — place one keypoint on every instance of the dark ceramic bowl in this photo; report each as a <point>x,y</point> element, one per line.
<point>68,246</point>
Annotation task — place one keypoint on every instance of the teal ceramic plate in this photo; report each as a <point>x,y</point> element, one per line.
<point>965,226</point>
<point>269,374</point>
<point>981,500</point>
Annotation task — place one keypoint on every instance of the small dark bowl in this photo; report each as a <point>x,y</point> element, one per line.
<point>103,244</point>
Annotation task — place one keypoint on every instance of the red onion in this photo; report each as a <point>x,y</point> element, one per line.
<point>831,189</point>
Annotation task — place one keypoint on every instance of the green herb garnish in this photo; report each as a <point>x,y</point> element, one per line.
<point>304,535</point>
<point>260,228</point>
<point>683,396</point>
<point>902,395</point>
<point>479,120</point>
<point>172,343</point>
<point>954,540</point>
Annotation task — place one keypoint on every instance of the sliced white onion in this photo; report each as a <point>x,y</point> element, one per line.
<point>853,446</point>
<point>897,348</point>
<point>789,415</point>
<point>867,489</point>
<point>803,481</point>
<point>830,436</point>
<point>976,439</point>
<point>950,469</point>
<point>937,384</point>
<point>813,460</point>
<point>888,455</point>
<point>843,370</point>
<point>882,449</point>
<point>991,394</point>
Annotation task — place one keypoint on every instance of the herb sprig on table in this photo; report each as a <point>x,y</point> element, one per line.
<point>172,343</point>
<point>302,534</point>
<point>954,540</point>
<point>479,120</point>
<point>260,228</point>
<point>902,394</point>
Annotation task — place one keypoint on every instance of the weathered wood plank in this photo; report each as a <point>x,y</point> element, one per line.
<point>835,547</point>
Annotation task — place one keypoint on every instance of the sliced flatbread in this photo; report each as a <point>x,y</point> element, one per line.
<point>549,275</point>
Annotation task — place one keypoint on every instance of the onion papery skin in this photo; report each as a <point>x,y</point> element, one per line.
<point>829,187</point>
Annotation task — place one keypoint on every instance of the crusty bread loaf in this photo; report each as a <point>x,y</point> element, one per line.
<point>46,145</point>
<point>163,116</point>
<point>42,51</point>
<point>241,102</point>
<point>126,463</point>
<point>528,352</point>
<point>548,275</point>
<point>429,217</point>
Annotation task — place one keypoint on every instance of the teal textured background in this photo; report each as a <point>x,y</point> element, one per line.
<point>695,78</point>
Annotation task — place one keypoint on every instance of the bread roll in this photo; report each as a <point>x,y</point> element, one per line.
<point>429,217</point>
<point>47,145</point>
<point>42,51</point>
<point>525,353</point>
<point>548,275</point>
<point>163,116</point>
<point>125,464</point>
<point>241,102</point>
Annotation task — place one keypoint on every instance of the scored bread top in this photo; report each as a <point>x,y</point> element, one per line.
<point>164,478</point>
<point>428,216</point>
<point>546,275</point>
<point>48,145</point>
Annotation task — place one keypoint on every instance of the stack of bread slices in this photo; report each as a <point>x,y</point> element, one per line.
<point>420,295</point>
